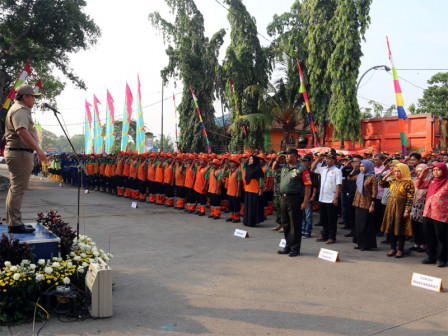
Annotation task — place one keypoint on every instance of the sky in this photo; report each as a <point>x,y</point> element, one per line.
<point>129,45</point>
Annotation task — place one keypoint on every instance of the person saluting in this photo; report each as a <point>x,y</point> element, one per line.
<point>21,142</point>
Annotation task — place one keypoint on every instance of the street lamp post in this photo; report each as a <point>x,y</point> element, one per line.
<point>376,67</point>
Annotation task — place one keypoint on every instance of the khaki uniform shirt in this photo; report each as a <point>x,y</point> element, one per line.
<point>19,116</point>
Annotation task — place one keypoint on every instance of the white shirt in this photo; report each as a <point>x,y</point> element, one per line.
<point>329,179</point>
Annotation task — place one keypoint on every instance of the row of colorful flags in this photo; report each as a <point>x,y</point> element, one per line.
<point>97,143</point>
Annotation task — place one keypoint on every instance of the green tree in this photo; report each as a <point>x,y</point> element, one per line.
<point>47,31</point>
<point>168,144</point>
<point>390,111</point>
<point>193,59</point>
<point>347,27</point>
<point>366,113</point>
<point>435,97</point>
<point>316,17</point>
<point>378,109</point>
<point>118,128</point>
<point>246,65</point>
<point>412,108</point>
<point>78,142</point>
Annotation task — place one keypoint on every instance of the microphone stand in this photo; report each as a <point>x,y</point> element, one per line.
<point>81,167</point>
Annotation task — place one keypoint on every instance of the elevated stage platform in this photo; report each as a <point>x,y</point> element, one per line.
<point>45,244</point>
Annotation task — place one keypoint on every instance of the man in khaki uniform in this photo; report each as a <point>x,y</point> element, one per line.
<point>21,142</point>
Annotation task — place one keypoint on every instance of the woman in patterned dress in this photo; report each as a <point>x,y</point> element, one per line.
<point>364,234</point>
<point>397,221</point>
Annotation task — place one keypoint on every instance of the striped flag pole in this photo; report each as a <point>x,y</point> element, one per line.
<point>126,118</point>
<point>22,77</point>
<point>200,119</point>
<point>110,122</point>
<point>97,131</point>
<point>175,122</point>
<point>400,104</point>
<point>140,136</point>
<point>302,90</point>
<point>88,130</point>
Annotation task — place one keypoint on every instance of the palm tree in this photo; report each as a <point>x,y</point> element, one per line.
<point>280,103</point>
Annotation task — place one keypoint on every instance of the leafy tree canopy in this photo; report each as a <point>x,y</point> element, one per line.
<point>435,97</point>
<point>47,31</point>
<point>193,58</point>
<point>246,64</point>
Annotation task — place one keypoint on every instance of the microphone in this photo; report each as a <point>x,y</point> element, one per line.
<point>48,106</point>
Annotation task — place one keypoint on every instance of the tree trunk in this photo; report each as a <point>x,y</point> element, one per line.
<point>342,143</point>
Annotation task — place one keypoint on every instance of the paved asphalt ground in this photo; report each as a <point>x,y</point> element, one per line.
<point>180,274</point>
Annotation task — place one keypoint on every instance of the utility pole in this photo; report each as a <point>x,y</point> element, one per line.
<point>161,136</point>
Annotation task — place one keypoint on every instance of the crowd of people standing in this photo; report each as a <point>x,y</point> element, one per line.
<point>375,195</point>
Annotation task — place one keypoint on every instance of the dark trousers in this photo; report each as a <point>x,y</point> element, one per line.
<point>436,236</point>
<point>397,239</point>
<point>350,221</point>
<point>378,214</point>
<point>417,232</point>
<point>291,218</point>
<point>234,204</point>
<point>329,220</point>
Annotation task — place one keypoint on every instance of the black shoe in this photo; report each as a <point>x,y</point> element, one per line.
<point>229,219</point>
<point>294,253</point>
<point>236,221</point>
<point>216,217</point>
<point>318,224</point>
<point>356,248</point>
<point>201,214</point>
<point>21,229</point>
<point>386,241</point>
<point>348,235</point>
<point>284,251</point>
<point>345,227</point>
<point>380,234</point>
<point>428,261</point>
<point>441,263</point>
<point>414,248</point>
<point>211,216</point>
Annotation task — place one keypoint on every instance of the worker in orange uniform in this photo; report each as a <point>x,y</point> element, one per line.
<point>126,172</point>
<point>214,177</point>
<point>190,178</point>
<point>119,180</point>
<point>141,177</point>
<point>179,180</point>
<point>160,194</point>
<point>200,185</point>
<point>89,169</point>
<point>168,180</point>
<point>234,184</point>
<point>101,174</point>
<point>132,180</point>
<point>151,176</point>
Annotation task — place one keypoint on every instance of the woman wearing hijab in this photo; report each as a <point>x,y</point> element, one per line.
<point>364,233</point>
<point>253,203</point>
<point>397,221</point>
<point>436,215</point>
<point>417,209</point>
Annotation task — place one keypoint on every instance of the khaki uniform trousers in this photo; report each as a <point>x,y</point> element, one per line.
<point>20,165</point>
